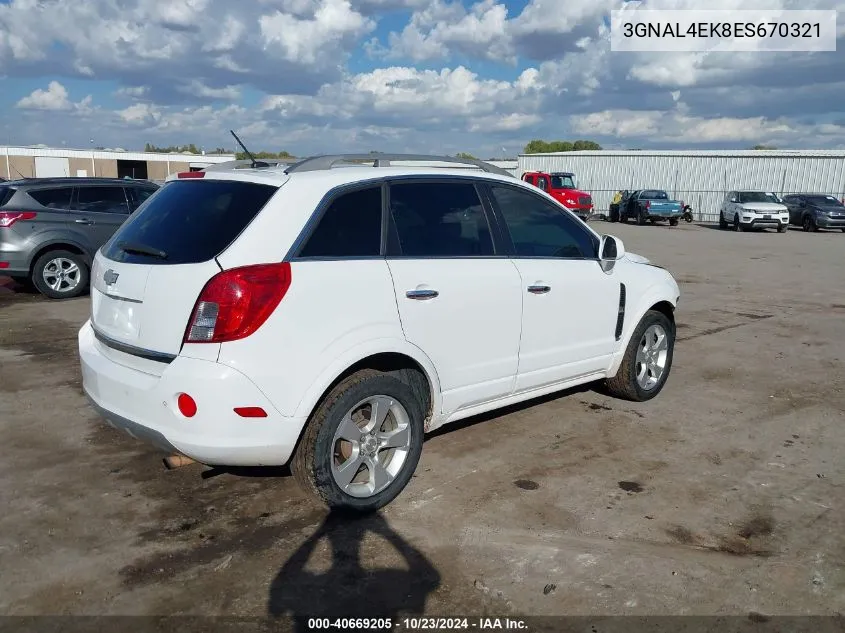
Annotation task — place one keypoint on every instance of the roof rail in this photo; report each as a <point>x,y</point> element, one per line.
<point>319,163</point>
<point>247,164</point>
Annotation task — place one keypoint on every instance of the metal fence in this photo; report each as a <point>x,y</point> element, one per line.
<point>700,179</point>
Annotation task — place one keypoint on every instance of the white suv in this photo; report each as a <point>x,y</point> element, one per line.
<point>746,210</point>
<point>330,316</point>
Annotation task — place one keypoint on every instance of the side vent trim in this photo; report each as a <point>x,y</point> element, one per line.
<point>620,316</point>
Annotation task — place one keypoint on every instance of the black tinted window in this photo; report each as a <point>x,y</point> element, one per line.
<point>58,198</point>
<point>439,219</point>
<point>538,228</point>
<point>190,221</point>
<point>101,200</point>
<point>141,195</point>
<point>350,227</point>
<point>6,194</point>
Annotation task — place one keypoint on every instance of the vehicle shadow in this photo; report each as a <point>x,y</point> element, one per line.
<point>346,589</point>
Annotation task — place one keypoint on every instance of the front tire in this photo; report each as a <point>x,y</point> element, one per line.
<point>673,222</point>
<point>782,228</point>
<point>723,224</point>
<point>60,274</point>
<point>737,224</point>
<point>362,443</point>
<point>808,224</point>
<point>641,219</point>
<point>647,361</point>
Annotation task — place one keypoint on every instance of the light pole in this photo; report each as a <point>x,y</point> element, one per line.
<point>93,166</point>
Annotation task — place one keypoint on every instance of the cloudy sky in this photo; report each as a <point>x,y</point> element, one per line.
<point>443,76</point>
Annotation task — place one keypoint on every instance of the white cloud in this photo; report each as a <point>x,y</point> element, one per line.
<point>55,98</point>
<point>140,114</point>
<point>300,39</point>
<point>199,89</point>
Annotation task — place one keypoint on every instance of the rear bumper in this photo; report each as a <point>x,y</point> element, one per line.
<point>16,263</point>
<point>144,405</point>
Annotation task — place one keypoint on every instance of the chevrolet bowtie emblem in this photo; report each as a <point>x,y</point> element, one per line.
<point>110,277</point>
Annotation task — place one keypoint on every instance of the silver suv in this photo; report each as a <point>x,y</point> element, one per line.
<point>51,228</point>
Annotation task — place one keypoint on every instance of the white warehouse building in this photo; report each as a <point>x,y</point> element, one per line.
<point>699,178</point>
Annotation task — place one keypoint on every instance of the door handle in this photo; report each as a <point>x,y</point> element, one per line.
<point>421,294</point>
<point>539,290</point>
<point>84,221</point>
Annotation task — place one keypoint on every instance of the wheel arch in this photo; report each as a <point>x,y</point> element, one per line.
<point>655,302</point>
<point>58,245</point>
<point>408,363</point>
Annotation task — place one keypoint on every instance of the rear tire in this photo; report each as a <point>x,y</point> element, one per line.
<point>641,217</point>
<point>323,451</point>
<point>60,274</point>
<point>673,222</point>
<point>634,380</point>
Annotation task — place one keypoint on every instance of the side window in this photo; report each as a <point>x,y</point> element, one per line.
<point>139,195</point>
<point>52,198</point>
<point>101,200</point>
<point>541,182</point>
<point>538,228</point>
<point>439,220</point>
<point>350,227</point>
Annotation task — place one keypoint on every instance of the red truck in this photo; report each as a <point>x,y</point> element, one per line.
<point>561,186</point>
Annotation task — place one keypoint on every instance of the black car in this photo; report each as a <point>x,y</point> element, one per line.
<point>51,228</point>
<point>814,211</point>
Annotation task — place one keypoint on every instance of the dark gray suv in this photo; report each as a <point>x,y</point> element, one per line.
<point>814,211</point>
<point>51,228</point>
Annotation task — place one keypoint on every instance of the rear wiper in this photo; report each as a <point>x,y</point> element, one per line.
<point>141,249</point>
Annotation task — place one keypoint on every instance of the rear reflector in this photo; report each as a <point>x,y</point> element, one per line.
<point>235,303</point>
<point>8,218</point>
<point>187,405</point>
<point>251,412</point>
<point>4,264</point>
<point>191,174</point>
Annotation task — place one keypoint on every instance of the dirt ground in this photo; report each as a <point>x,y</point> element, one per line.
<point>722,496</point>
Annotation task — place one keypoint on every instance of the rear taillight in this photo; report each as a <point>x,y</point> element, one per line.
<point>648,204</point>
<point>8,218</point>
<point>191,174</point>
<point>235,303</point>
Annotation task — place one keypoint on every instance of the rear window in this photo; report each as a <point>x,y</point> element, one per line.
<point>189,222</point>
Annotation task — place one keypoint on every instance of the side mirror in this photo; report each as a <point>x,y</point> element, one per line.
<point>733,199</point>
<point>611,250</point>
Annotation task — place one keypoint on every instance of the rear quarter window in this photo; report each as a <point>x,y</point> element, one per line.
<point>6,194</point>
<point>190,221</point>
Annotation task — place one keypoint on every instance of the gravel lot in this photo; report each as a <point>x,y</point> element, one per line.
<point>722,496</point>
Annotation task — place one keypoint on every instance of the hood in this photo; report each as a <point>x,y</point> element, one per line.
<point>769,207</point>
<point>637,259</point>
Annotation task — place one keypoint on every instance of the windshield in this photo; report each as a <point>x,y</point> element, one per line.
<point>823,201</point>
<point>654,195</point>
<point>562,182</point>
<point>757,196</point>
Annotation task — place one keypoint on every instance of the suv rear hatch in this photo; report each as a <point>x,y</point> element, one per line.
<point>146,280</point>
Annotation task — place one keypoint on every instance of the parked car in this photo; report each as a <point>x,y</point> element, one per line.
<point>746,210</point>
<point>50,228</point>
<point>813,211</point>
<point>330,317</point>
<point>646,205</point>
<point>561,186</point>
